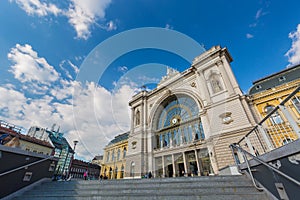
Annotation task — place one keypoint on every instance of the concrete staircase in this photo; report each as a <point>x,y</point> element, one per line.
<point>210,188</point>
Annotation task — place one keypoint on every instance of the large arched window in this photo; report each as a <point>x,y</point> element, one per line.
<point>178,122</point>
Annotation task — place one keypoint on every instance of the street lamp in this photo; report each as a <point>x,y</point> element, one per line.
<point>75,143</point>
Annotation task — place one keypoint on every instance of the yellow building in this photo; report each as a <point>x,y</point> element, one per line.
<point>114,159</point>
<point>267,93</point>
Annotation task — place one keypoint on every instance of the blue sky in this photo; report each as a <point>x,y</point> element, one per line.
<point>44,44</point>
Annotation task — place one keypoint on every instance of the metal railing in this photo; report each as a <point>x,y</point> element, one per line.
<point>25,166</point>
<point>278,127</point>
<point>243,152</point>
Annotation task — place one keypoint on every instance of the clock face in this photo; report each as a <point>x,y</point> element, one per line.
<point>174,121</point>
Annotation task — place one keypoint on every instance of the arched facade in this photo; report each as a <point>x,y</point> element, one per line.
<point>188,121</point>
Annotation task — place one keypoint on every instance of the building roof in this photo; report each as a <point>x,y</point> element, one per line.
<point>276,79</point>
<point>5,129</point>
<point>98,157</point>
<point>119,138</point>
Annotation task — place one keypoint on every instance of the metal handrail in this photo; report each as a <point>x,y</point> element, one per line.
<point>271,113</point>
<point>264,163</point>
<point>27,165</point>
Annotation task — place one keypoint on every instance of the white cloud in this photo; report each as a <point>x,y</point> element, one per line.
<point>81,14</point>
<point>293,53</point>
<point>122,69</point>
<point>84,111</point>
<point>36,7</point>
<point>93,115</point>
<point>248,35</point>
<point>111,26</point>
<point>168,26</point>
<point>28,67</point>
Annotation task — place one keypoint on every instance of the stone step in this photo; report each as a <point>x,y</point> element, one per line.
<point>251,196</point>
<point>112,185</point>
<point>149,191</point>
<point>212,187</point>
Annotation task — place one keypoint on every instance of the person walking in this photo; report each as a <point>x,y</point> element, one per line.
<point>85,175</point>
<point>149,174</point>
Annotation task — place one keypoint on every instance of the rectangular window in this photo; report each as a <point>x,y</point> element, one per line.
<point>296,103</point>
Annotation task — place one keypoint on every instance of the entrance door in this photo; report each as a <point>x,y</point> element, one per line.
<point>169,172</point>
<point>181,169</point>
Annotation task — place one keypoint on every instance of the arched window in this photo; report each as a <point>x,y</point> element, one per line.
<point>116,173</point>
<point>275,118</point>
<point>296,103</point>
<point>118,155</point>
<point>124,152</point>
<point>215,82</point>
<point>122,172</point>
<point>113,155</point>
<point>132,169</point>
<point>137,118</point>
<point>110,173</point>
<point>178,122</point>
<point>107,158</point>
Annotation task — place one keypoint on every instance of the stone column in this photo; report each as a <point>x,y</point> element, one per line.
<point>173,164</point>
<point>163,166</point>
<point>184,162</point>
<point>197,160</point>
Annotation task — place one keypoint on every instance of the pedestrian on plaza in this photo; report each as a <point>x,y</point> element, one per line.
<point>85,174</point>
<point>149,174</point>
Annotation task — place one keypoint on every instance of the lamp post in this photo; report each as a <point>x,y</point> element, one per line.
<point>75,142</point>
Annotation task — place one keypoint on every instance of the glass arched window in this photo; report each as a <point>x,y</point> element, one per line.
<point>275,117</point>
<point>178,122</point>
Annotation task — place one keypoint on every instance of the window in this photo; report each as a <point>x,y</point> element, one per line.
<point>296,103</point>
<point>107,158</point>
<point>118,155</point>
<point>137,118</point>
<point>275,118</point>
<point>287,140</point>
<point>113,155</point>
<point>282,78</point>
<point>124,152</point>
<point>177,122</point>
